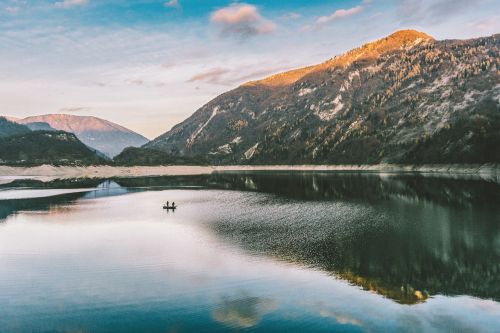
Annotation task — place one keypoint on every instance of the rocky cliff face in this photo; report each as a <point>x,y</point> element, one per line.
<point>105,136</point>
<point>403,99</point>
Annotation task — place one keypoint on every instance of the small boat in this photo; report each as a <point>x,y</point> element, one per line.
<point>172,207</point>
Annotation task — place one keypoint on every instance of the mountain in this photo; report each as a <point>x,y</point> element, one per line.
<point>46,147</point>
<point>40,126</point>
<point>103,135</point>
<point>143,156</point>
<point>406,98</point>
<point>8,128</point>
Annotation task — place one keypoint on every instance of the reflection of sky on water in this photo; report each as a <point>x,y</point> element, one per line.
<point>17,194</point>
<point>106,189</point>
<point>242,311</point>
<point>122,263</point>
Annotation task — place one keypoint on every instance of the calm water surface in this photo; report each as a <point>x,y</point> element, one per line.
<point>265,252</point>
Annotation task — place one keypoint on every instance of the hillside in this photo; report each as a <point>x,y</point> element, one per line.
<point>406,98</point>
<point>8,128</point>
<point>46,147</point>
<point>39,126</point>
<point>100,134</point>
<point>149,157</point>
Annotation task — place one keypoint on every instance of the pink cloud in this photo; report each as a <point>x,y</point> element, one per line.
<point>242,19</point>
<point>338,14</point>
<point>236,14</point>
<point>12,10</point>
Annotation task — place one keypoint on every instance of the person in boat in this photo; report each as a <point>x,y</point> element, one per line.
<point>173,204</point>
<point>166,205</point>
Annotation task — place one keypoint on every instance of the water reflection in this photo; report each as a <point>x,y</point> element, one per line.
<point>242,312</point>
<point>9,207</point>
<point>406,238</point>
<point>28,188</point>
<point>263,252</point>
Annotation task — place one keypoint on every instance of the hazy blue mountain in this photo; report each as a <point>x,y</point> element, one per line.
<point>100,134</point>
<point>39,126</point>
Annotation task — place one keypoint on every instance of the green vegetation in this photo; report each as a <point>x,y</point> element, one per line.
<point>473,138</point>
<point>19,146</point>
<point>149,157</point>
<point>8,128</point>
<point>46,147</point>
<point>400,100</point>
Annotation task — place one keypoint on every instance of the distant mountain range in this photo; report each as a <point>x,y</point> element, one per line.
<point>102,135</point>
<point>9,128</point>
<point>37,143</point>
<point>406,98</point>
<point>21,146</point>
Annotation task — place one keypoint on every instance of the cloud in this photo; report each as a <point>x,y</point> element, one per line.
<point>230,77</point>
<point>214,75</point>
<point>242,20</point>
<point>71,3</point>
<point>172,4</point>
<point>137,82</point>
<point>144,83</point>
<point>433,11</point>
<point>243,312</point>
<point>75,109</point>
<point>340,318</point>
<point>291,16</point>
<point>339,14</point>
<point>486,26</point>
<point>12,10</point>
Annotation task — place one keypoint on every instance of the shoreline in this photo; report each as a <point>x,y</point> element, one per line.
<point>468,169</point>
<point>48,171</point>
<point>101,171</point>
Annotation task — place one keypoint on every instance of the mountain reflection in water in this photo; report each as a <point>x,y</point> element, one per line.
<point>405,237</point>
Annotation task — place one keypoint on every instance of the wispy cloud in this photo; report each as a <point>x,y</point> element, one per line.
<point>230,77</point>
<point>339,14</point>
<point>242,20</point>
<point>433,11</point>
<point>172,4</point>
<point>75,109</point>
<point>291,16</point>
<point>71,3</point>
<point>486,26</point>
<point>12,9</point>
<point>214,75</point>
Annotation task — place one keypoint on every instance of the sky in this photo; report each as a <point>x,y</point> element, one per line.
<point>148,64</point>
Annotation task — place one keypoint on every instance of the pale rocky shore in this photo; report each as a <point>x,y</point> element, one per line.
<point>46,172</point>
<point>49,171</point>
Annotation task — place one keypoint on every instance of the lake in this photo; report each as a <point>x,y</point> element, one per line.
<point>259,252</point>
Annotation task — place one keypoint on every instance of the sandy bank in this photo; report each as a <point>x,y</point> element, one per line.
<point>101,171</point>
<point>48,171</point>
